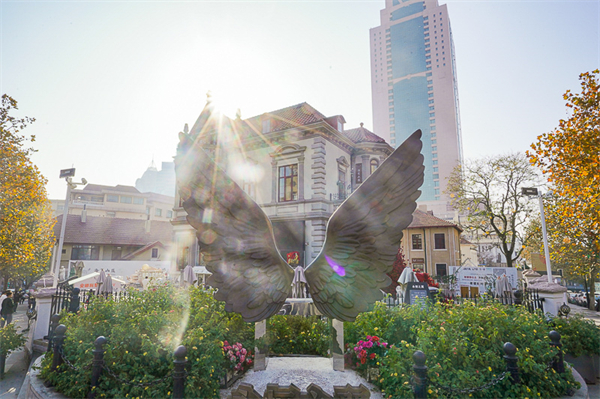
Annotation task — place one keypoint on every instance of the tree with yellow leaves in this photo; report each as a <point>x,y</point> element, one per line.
<point>26,235</point>
<point>569,157</point>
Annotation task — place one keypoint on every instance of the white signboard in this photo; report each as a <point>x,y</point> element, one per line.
<point>478,276</point>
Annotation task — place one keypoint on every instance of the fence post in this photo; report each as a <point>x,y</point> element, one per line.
<point>54,320</point>
<point>518,297</point>
<point>511,362</point>
<point>179,372</point>
<point>59,338</point>
<point>97,365</point>
<point>420,387</point>
<point>557,364</point>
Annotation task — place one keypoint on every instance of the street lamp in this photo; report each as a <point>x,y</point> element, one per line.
<point>68,175</point>
<point>532,191</point>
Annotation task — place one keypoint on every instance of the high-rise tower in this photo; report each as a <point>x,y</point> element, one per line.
<point>413,83</point>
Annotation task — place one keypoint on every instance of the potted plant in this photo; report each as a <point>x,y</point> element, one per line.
<point>581,344</point>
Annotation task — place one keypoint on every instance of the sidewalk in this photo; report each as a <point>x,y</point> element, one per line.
<point>588,314</point>
<point>16,363</point>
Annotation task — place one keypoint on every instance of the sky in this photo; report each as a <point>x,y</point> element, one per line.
<point>111,83</point>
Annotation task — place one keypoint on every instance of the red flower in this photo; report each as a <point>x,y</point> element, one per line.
<point>375,339</point>
<point>363,360</point>
<point>372,356</point>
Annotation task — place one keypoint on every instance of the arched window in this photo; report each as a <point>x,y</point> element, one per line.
<point>374,165</point>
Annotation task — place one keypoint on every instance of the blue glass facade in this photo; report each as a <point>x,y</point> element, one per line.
<point>408,10</point>
<point>411,103</point>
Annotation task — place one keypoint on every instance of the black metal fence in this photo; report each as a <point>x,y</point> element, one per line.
<point>72,299</point>
<point>420,381</point>
<point>99,369</point>
<point>529,298</point>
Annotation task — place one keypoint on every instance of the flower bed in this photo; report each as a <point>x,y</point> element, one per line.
<point>463,345</point>
<point>142,332</point>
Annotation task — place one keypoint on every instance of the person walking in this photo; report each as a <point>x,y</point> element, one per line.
<point>7,310</point>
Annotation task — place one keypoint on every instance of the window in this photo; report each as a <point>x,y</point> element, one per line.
<point>60,208</point>
<point>138,200</point>
<point>169,214</point>
<point>436,191</point>
<point>435,169</point>
<point>126,199</point>
<point>158,212</point>
<point>111,214</point>
<point>341,183</point>
<point>436,175</point>
<point>440,240</point>
<point>440,269</point>
<point>374,165</point>
<point>417,242</point>
<point>436,183</point>
<point>434,148</point>
<point>435,162</point>
<point>288,183</point>
<point>85,252</point>
<point>112,198</point>
<point>266,126</point>
<point>155,252</point>
<point>116,254</point>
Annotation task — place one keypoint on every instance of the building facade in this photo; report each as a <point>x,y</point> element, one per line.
<point>299,166</point>
<point>413,83</point>
<point>158,181</point>
<point>296,163</point>
<point>122,202</point>
<point>431,244</point>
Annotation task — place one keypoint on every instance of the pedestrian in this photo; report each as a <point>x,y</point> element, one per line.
<point>7,310</point>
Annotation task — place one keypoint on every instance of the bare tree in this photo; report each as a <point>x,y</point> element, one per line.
<point>488,192</point>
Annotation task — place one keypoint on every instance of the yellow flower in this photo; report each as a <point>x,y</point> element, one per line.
<point>430,391</point>
<point>376,328</point>
<point>126,351</point>
<point>145,353</point>
<point>489,368</point>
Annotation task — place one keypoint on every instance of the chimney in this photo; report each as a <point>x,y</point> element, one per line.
<point>84,214</point>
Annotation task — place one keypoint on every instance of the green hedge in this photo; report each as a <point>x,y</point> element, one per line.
<point>463,345</point>
<point>143,331</point>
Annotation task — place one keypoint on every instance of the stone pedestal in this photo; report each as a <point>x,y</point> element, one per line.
<point>337,344</point>
<point>554,294</point>
<point>43,303</point>
<point>261,346</point>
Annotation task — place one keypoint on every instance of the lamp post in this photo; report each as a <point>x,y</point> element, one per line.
<point>68,175</point>
<point>531,191</point>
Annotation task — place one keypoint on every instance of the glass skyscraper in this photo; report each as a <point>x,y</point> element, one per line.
<point>413,81</point>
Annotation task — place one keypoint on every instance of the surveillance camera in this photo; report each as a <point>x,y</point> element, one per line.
<point>84,181</point>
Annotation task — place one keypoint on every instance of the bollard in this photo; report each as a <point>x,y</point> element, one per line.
<point>97,364</point>
<point>557,364</point>
<point>511,362</point>
<point>54,321</point>
<point>518,297</point>
<point>420,387</point>
<point>179,372</point>
<point>59,339</point>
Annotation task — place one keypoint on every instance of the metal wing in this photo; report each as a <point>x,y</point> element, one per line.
<point>235,236</point>
<point>364,233</point>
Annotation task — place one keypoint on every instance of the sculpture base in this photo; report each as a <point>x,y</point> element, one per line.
<point>302,371</point>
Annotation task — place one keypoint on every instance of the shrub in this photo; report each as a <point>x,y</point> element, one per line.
<point>142,333</point>
<point>298,335</point>
<point>578,335</point>
<point>463,345</point>
<point>369,353</point>
<point>10,339</point>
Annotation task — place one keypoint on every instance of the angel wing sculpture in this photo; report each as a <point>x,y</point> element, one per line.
<point>361,243</point>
